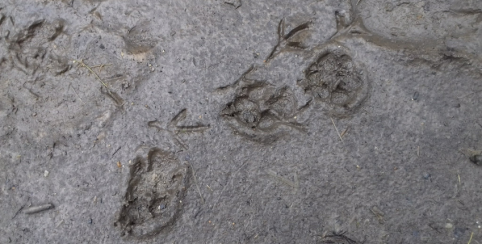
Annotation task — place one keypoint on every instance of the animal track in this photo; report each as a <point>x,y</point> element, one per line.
<point>174,129</point>
<point>153,199</point>
<point>28,46</point>
<point>337,81</point>
<point>261,112</point>
<point>285,42</point>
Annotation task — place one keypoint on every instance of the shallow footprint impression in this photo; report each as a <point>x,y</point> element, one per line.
<point>260,111</point>
<point>153,199</point>
<point>336,81</point>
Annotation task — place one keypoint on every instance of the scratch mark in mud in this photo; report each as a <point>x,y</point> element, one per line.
<point>235,3</point>
<point>284,42</point>
<point>174,129</point>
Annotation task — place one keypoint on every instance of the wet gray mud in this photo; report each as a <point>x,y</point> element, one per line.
<point>240,121</point>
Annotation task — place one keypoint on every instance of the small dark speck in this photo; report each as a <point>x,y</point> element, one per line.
<point>426,176</point>
<point>102,46</point>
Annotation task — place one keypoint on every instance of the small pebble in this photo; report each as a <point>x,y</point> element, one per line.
<point>46,173</point>
<point>449,226</point>
<point>426,176</point>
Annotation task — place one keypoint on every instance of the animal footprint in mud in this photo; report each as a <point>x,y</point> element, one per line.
<point>261,112</point>
<point>173,128</point>
<point>153,199</point>
<point>336,81</point>
<point>285,42</point>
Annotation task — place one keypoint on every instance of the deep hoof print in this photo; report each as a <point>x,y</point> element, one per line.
<point>261,112</point>
<point>337,81</point>
<point>153,199</point>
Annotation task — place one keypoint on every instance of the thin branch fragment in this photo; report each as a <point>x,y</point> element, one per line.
<point>38,209</point>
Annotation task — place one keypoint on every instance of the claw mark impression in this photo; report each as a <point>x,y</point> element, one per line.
<point>174,129</point>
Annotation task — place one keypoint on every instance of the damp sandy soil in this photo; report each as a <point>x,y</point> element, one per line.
<point>239,121</point>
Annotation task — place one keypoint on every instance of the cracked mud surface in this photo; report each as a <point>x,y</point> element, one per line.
<point>240,121</point>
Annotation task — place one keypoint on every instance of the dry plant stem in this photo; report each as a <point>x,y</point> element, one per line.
<point>344,132</point>
<point>332,121</point>
<point>100,66</point>
<point>81,62</point>
<point>470,240</point>
<point>38,209</point>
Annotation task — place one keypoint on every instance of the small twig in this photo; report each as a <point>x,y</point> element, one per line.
<point>39,209</point>
<point>81,62</point>
<point>345,131</point>
<point>471,235</point>
<point>100,66</point>
<point>332,121</point>
<point>18,211</point>
<point>116,151</point>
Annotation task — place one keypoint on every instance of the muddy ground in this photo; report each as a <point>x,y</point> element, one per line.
<point>238,121</point>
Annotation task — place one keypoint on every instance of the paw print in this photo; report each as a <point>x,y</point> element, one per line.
<point>153,200</point>
<point>259,111</point>
<point>335,80</point>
